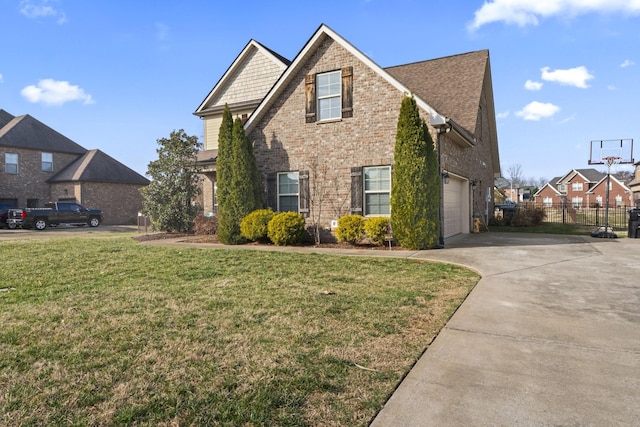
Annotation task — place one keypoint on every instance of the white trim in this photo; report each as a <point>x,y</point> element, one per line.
<point>297,174</point>
<point>230,73</point>
<point>435,118</point>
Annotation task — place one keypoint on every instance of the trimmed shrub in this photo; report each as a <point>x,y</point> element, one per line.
<point>205,225</point>
<point>254,226</point>
<point>377,228</point>
<point>350,228</point>
<point>286,228</point>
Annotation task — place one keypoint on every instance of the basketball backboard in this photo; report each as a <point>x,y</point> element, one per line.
<point>602,149</point>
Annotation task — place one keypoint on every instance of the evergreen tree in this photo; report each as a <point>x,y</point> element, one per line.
<point>224,164</point>
<point>168,199</point>
<point>242,191</point>
<point>415,196</point>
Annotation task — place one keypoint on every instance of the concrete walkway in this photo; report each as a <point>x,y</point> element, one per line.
<point>549,337</point>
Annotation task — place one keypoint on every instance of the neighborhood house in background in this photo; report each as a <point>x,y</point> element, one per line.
<point>584,188</point>
<point>41,165</point>
<point>325,125</point>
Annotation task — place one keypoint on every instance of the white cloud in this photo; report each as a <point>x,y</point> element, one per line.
<point>502,115</point>
<point>531,85</point>
<point>537,110</point>
<point>55,92</point>
<point>42,9</point>
<point>577,76</point>
<point>528,12</point>
<point>1,78</point>
<point>627,63</point>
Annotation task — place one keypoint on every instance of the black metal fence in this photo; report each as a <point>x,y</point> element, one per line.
<point>618,216</point>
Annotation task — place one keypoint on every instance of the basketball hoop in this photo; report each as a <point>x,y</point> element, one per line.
<point>611,160</point>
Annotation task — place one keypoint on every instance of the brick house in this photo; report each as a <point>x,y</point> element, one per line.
<point>42,165</point>
<point>583,188</point>
<point>242,87</point>
<point>329,121</point>
<point>619,193</point>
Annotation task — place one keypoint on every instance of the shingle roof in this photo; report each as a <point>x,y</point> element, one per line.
<point>452,85</point>
<point>29,133</point>
<point>5,118</point>
<point>592,175</point>
<point>96,166</point>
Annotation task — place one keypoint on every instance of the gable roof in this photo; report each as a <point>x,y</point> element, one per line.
<point>29,133</point>
<point>552,187</point>
<point>213,104</point>
<point>453,84</point>
<point>307,51</point>
<point>590,175</point>
<point>5,118</point>
<point>604,180</point>
<point>96,166</point>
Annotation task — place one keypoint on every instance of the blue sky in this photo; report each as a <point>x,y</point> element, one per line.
<point>118,75</point>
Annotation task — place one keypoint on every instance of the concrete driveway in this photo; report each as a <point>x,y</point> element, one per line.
<point>550,336</point>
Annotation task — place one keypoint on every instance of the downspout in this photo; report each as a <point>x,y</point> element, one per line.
<point>441,129</point>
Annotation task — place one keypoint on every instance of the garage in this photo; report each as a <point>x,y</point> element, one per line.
<point>456,207</point>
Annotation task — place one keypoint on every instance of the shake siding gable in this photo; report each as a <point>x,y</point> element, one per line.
<point>251,81</point>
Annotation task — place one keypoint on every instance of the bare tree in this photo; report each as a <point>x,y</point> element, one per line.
<point>515,175</point>
<point>319,187</point>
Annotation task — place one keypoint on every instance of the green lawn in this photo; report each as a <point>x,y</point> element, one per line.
<point>106,331</point>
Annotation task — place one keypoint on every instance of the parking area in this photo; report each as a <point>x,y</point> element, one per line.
<point>65,230</point>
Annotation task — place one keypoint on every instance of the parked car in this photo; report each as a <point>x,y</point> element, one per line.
<point>3,216</point>
<point>53,214</point>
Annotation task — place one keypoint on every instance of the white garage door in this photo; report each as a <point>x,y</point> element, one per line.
<point>456,207</point>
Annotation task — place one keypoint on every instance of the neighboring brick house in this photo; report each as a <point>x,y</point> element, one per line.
<point>619,193</point>
<point>42,165</point>
<point>330,122</point>
<point>583,188</point>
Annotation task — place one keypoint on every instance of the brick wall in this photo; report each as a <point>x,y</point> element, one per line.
<point>31,180</point>
<point>120,202</point>
<point>284,142</point>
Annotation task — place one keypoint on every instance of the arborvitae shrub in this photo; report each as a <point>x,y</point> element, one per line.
<point>350,228</point>
<point>376,228</point>
<point>286,228</point>
<point>205,225</point>
<point>254,226</point>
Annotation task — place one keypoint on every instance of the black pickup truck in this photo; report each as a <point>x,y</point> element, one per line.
<point>54,213</point>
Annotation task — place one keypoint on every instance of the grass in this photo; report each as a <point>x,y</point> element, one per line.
<point>105,331</point>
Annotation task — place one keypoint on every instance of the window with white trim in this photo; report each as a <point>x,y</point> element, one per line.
<point>329,91</point>
<point>576,186</point>
<point>599,200</point>
<point>288,192</point>
<point>562,188</point>
<point>547,201</point>
<point>576,202</point>
<point>377,190</point>
<point>618,200</point>
<point>47,162</point>
<point>11,163</point>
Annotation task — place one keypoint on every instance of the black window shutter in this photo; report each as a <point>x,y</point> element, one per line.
<point>272,191</point>
<point>356,190</point>
<point>310,92</point>
<point>347,92</point>
<point>303,183</point>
